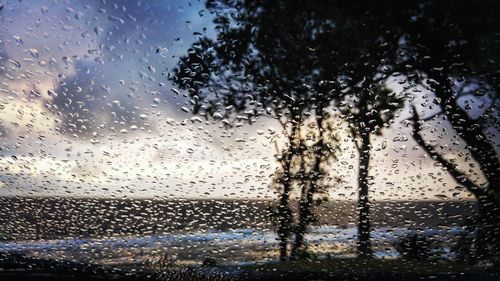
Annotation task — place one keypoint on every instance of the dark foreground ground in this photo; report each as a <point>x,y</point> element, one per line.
<point>295,277</point>
<point>17,267</point>
<point>372,270</point>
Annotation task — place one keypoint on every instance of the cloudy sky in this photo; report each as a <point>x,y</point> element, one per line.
<point>86,109</point>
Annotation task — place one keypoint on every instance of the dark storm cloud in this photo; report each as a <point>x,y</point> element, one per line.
<point>137,44</point>
<point>76,100</point>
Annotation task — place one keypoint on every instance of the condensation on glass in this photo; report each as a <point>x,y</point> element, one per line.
<point>250,140</point>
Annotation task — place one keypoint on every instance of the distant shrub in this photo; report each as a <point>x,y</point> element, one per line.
<point>414,247</point>
<point>305,253</point>
<point>209,262</point>
<point>465,249</point>
<point>166,260</point>
<point>473,245</point>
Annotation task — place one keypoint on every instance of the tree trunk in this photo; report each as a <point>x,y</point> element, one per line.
<point>307,194</point>
<point>302,224</point>
<point>306,202</point>
<point>488,238</point>
<point>470,131</point>
<point>481,150</point>
<point>364,247</point>
<point>489,210</point>
<point>284,213</point>
<point>284,218</point>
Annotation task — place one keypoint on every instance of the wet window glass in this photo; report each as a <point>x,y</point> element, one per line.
<point>249,140</point>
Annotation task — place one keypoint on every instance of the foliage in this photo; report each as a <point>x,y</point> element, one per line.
<point>472,245</point>
<point>290,60</point>
<point>414,247</point>
<point>208,261</point>
<point>372,110</point>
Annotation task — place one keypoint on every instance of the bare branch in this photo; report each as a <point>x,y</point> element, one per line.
<point>428,118</point>
<point>459,177</point>
<point>460,91</point>
<point>353,136</point>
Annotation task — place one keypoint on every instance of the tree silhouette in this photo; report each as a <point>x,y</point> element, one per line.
<point>451,48</point>
<point>270,57</point>
<point>367,112</point>
<point>283,181</point>
<point>293,59</point>
<point>319,147</point>
<point>250,70</point>
<point>306,170</point>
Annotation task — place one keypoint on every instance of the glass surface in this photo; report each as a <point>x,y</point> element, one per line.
<point>249,140</point>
